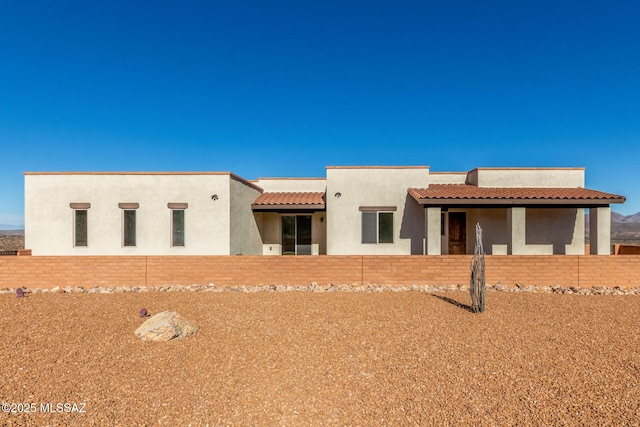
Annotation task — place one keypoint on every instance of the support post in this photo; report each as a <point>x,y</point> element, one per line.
<point>432,231</point>
<point>517,231</point>
<point>600,230</point>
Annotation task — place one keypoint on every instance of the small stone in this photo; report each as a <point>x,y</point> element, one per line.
<point>165,326</point>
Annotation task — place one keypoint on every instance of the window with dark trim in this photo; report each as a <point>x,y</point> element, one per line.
<point>80,223</point>
<point>377,227</point>
<point>177,227</point>
<point>80,227</point>
<point>129,227</point>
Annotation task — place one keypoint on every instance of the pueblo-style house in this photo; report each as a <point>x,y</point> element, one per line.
<point>358,210</point>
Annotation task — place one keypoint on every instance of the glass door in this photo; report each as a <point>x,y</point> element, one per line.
<point>303,235</point>
<point>296,235</point>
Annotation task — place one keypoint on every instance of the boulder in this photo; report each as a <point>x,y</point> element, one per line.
<point>165,326</point>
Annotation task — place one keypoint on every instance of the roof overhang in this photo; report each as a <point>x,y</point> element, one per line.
<point>459,195</point>
<point>513,203</point>
<point>279,208</point>
<point>289,202</point>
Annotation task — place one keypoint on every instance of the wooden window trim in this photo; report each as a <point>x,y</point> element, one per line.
<point>82,206</point>
<point>177,205</point>
<point>378,208</point>
<point>128,205</point>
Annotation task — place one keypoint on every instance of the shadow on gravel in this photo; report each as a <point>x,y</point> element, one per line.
<point>454,302</point>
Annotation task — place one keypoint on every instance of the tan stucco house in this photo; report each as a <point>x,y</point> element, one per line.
<point>351,211</point>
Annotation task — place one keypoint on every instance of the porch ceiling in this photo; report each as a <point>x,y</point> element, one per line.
<point>465,194</point>
<point>288,201</point>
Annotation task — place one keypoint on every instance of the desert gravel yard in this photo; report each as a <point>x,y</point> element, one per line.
<point>302,358</point>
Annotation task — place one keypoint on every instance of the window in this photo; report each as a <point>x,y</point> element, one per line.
<point>177,227</point>
<point>296,235</point>
<point>80,227</point>
<point>377,226</point>
<point>177,222</point>
<point>129,227</point>
<point>80,215</point>
<point>128,223</point>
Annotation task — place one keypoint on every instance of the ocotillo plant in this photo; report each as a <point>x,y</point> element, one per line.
<point>478,286</point>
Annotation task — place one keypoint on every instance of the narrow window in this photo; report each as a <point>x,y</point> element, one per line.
<point>377,227</point>
<point>385,227</point>
<point>369,227</point>
<point>80,227</point>
<point>177,227</point>
<point>129,227</point>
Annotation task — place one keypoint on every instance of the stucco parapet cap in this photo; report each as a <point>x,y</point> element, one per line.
<point>128,173</point>
<point>138,173</point>
<point>528,168</point>
<point>378,167</point>
<point>447,173</point>
<point>466,192</point>
<point>288,179</point>
<point>246,182</point>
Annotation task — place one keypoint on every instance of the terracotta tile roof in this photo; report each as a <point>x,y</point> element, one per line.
<point>465,192</point>
<point>290,200</point>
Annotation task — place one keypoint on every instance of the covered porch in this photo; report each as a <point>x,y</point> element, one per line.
<point>515,221</point>
<point>291,223</point>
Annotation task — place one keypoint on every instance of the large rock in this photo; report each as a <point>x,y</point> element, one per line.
<point>165,326</point>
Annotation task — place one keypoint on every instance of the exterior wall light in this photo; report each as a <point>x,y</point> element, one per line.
<point>338,195</point>
<point>214,197</point>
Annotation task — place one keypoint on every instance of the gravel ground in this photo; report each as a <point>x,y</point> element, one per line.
<point>300,358</point>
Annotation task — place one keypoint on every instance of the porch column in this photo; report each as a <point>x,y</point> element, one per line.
<point>433,241</point>
<point>516,231</point>
<point>600,230</point>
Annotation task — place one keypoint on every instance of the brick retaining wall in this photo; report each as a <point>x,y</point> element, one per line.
<point>89,271</point>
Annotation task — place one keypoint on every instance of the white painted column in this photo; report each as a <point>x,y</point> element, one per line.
<point>433,244</point>
<point>516,231</point>
<point>600,230</point>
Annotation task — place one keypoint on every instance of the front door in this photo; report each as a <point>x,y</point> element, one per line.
<point>296,235</point>
<point>457,233</point>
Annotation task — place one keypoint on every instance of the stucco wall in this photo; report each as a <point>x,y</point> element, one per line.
<point>494,229</point>
<point>524,177</point>
<point>561,228</point>
<point>319,231</point>
<point>49,219</point>
<point>269,227</point>
<point>374,186</point>
<point>245,234</point>
<point>555,231</point>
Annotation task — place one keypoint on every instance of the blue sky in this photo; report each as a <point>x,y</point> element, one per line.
<point>285,88</point>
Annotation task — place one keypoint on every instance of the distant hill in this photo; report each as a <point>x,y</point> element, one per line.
<point>615,217</point>
<point>625,230</point>
<point>631,219</point>
<point>5,227</point>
